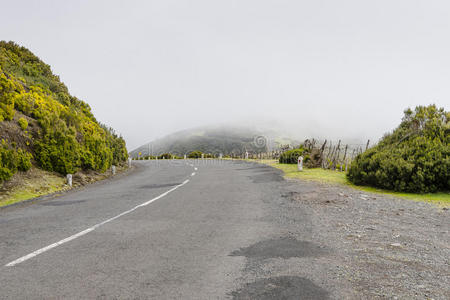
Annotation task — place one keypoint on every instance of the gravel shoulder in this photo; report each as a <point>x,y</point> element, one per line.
<point>383,247</point>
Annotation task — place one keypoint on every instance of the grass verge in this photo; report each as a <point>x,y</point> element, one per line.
<point>34,183</point>
<point>339,178</point>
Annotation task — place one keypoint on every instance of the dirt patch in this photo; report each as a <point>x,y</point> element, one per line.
<point>285,247</point>
<point>280,288</point>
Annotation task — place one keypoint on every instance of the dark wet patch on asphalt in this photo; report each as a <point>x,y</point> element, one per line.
<point>285,247</point>
<point>266,177</point>
<point>61,202</point>
<point>283,287</point>
<point>157,186</point>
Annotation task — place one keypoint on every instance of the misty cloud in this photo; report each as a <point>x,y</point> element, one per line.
<point>327,69</point>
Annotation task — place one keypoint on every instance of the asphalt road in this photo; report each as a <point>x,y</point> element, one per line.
<point>168,230</point>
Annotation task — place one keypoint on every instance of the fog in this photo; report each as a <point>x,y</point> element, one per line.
<point>326,69</point>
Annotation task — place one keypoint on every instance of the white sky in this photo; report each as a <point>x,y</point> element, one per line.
<point>329,68</point>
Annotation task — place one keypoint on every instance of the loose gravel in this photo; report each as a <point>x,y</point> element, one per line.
<point>382,247</point>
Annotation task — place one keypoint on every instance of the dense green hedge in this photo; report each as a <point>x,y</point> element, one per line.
<point>195,154</point>
<point>291,156</point>
<point>415,157</point>
<point>69,138</point>
<point>168,156</point>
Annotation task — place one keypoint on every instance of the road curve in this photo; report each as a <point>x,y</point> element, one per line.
<point>186,229</point>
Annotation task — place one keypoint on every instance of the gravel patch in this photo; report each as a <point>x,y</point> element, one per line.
<point>383,247</point>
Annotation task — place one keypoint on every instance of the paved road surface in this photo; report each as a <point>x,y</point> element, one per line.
<point>225,230</point>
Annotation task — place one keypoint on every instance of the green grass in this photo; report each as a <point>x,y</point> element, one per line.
<point>42,183</point>
<point>339,178</point>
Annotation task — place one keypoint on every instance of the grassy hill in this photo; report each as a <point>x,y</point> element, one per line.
<point>41,124</point>
<point>214,139</point>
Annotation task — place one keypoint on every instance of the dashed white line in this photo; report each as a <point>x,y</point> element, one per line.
<point>193,174</point>
<point>86,231</point>
<point>195,168</point>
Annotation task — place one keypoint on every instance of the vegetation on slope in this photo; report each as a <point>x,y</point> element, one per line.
<point>41,122</point>
<point>415,157</point>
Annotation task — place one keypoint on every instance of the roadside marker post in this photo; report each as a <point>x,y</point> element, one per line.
<point>113,169</point>
<point>69,180</point>
<point>129,162</point>
<point>300,163</point>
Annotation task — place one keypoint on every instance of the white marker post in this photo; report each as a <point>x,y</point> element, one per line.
<point>185,156</point>
<point>220,156</point>
<point>246,155</point>
<point>69,180</point>
<point>113,169</point>
<point>129,162</point>
<point>300,163</point>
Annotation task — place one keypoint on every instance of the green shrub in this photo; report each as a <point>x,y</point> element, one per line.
<point>23,160</point>
<point>195,154</point>
<point>23,123</point>
<point>415,157</point>
<point>165,156</point>
<point>12,160</point>
<point>291,156</point>
<point>8,161</point>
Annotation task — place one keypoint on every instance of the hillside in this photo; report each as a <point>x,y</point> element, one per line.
<point>41,124</point>
<point>215,139</point>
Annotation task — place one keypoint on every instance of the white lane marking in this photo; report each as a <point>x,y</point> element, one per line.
<point>191,165</point>
<point>195,168</point>
<point>86,231</point>
<point>193,174</point>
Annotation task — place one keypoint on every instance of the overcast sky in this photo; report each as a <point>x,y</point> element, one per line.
<point>330,68</point>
